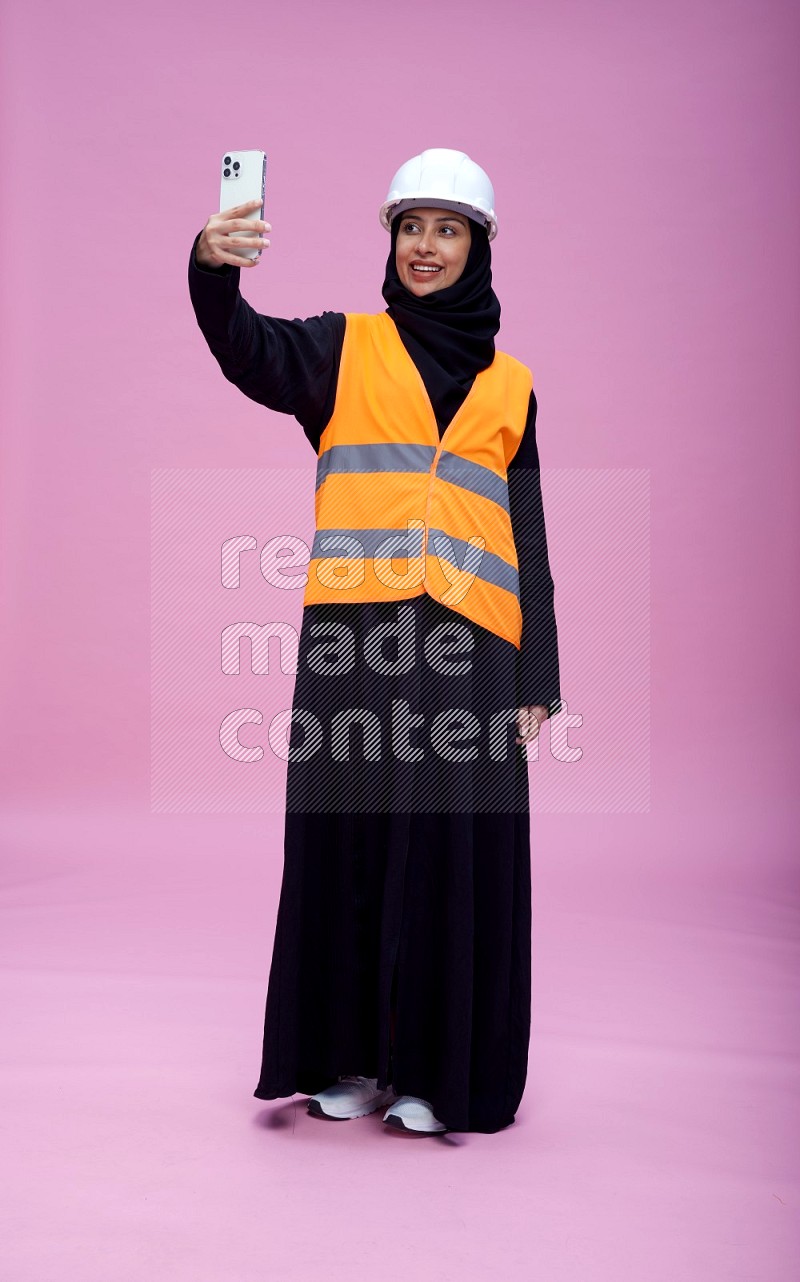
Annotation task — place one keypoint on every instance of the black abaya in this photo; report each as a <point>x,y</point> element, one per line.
<point>413,891</point>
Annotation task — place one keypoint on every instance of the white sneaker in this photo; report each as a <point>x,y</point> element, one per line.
<point>350,1097</point>
<point>410,1113</point>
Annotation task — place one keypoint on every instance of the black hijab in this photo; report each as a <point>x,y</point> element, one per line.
<point>449,333</point>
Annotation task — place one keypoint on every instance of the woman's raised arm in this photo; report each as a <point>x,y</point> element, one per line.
<point>287,365</point>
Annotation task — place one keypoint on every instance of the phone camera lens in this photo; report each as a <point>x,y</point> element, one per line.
<point>227,160</point>
<point>226,173</point>
<point>236,164</point>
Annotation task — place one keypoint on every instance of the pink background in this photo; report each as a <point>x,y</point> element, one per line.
<point>646,172</point>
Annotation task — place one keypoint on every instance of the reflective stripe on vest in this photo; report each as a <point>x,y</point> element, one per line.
<point>400,512</point>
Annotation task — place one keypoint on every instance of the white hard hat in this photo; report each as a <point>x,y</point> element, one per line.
<point>444,179</point>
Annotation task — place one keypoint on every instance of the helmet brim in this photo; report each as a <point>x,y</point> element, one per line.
<point>392,208</point>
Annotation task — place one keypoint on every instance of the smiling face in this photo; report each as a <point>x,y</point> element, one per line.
<point>432,249</point>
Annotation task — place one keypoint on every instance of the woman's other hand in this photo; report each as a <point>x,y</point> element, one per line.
<point>212,249</point>
<point>529,719</point>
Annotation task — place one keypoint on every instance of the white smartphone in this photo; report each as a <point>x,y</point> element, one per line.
<point>244,177</point>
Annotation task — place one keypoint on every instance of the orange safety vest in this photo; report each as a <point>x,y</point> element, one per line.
<point>400,512</point>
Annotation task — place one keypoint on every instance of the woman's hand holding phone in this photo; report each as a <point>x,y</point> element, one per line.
<point>212,249</point>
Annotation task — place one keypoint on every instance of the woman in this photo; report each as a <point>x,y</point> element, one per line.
<point>400,974</point>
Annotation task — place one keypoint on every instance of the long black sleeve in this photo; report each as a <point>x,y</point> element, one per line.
<point>287,365</point>
<point>537,663</point>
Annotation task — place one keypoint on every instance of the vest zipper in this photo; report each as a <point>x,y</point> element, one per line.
<point>432,476</point>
